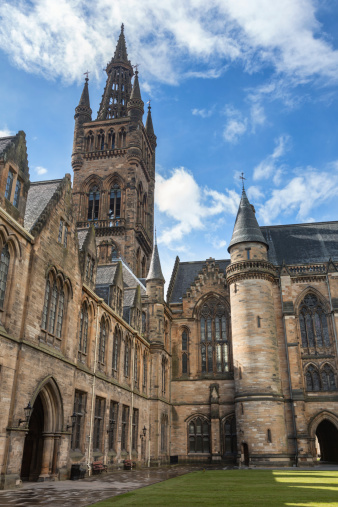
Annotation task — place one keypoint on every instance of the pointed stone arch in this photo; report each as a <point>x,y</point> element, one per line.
<point>311,290</point>
<point>204,299</point>
<point>112,179</point>
<point>91,181</point>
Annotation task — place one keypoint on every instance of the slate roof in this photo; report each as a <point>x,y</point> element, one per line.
<point>39,195</point>
<point>186,274</point>
<point>302,243</point>
<point>82,234</point>
<point>246,226</point>
<point>292,244</point>
<point>4,142</point>
<point>105,276</point>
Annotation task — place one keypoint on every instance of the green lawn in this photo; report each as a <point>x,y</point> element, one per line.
<point>237,487</point>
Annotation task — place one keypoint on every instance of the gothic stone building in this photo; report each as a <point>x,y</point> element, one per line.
<point>238,365</point>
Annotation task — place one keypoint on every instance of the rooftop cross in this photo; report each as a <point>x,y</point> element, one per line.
<point>136,66</point>
<point>86,74</point>
<point>149,107</point>
<point>242,178</point>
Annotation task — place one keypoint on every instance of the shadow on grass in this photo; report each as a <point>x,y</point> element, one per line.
<point>237,487</point>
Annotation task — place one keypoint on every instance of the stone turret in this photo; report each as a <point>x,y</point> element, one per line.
<point>83,114</point>
<point>155,292</point>
<point>258,392</point>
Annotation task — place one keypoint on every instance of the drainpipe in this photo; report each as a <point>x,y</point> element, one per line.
<point>332,314</point>
<point>93,392</point>
<point>289,377</point>
<point>132,398</point>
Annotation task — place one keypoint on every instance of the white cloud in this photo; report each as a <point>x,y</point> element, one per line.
<point>40,170</point>
<point>236,124</point>
<point>257,116</point>
<point>300,195</point>
<point>5,132</point>
<point>189,206</point>
<point>254,193</point>
<point>62,39</point>
<point>269,166</point>
<point>203,113</point>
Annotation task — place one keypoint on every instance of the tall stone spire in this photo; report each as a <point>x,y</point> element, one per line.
<point>246,226</point>
<point>121,54</point>
<point>150,129</point>
<point>118,88</point>
<point>84,105</point>
<point>155,270</point>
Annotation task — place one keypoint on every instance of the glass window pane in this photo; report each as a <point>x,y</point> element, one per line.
<point>184,341</point>
<point>218,358</point>
<point>325,331</point>
<point>199,444</point>
<point>4,266</point>
<point>184,363</point>
<point>202,329</point>
<point>198,426</point>
<point>309,329</point>
<point>210,358</point>
<point>318,330</point>
<point>192,428</point>
<point>224,328</point>
<point>209,330</point>
<point>204,361</point>
<point>302,330</point>
<point>217,329</point>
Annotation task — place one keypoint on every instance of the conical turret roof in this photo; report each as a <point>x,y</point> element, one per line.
<point>246,226</point>
<point>121,54</point>
<point>155,270</point>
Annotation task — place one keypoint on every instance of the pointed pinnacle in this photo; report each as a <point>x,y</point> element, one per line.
<point>121,49</point>
<point>149,123</point>
<point>84,100</point>
<point>155,270</point>
<point>136,92</point>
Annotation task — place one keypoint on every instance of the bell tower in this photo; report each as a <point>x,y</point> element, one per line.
<point>114,167</point>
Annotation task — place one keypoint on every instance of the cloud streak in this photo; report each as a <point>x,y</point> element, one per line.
<point>62,39</point>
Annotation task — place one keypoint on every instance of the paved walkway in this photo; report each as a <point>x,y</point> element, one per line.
<point>85,492</point>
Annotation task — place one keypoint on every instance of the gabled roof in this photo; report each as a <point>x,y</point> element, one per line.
<point>82,234</point>
<point>39,195</point>
<point>106,273</point>
<point>186,274</point>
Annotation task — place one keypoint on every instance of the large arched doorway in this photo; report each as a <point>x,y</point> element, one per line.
<point>32,453</point>
<point>327,435</point>
<point>39,459</point>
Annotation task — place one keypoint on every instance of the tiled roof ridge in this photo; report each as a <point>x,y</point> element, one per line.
<point>43,182</point>
<point>306,224</point>
<point>48,209</point>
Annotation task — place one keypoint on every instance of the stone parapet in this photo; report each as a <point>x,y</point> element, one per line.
<point>251,269</point>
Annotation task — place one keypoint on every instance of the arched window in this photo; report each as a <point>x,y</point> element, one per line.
<point>115,202</point>
<point>126,358</point>
<point>111,140</point>
<point>214,330</point>
<point>144,211</point>
<point>164,433</point>
<point>116,348</point>
<point>312,379</point>
<point>83,334</point>
<point>144,371</point>
<point>102,342</point>
<point>164,376</point>
<point>230,436</point>
<point>100,140</point>
<point>185,352</point>
<point>53,308</point>
<point>328,379</point>
<point>313,324</point>
<point>122,138</point>
<point>136,369</point>
<point>114,253</point>
<point>199,435</point>
<point>144,322</point>
<point>90,141</point>
<point>93,203</point>
<point>144,267</point>
<point>4,267</point>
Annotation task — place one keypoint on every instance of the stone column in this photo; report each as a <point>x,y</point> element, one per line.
<point>47,456</point>
<point>215,440</point>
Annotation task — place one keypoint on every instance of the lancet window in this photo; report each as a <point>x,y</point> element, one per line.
<point>313,323</point>
<point>230,436</point>
<point>54,307</point>
<point>214,337</point>
<point>116,350</point>
<point>320,380</point>
<point>199,431</point>
<point>184,352</point>
<point>4,267</point>
<point>102,342</point>
<point>93,203</point>
<point>83,331</point>
<point>115,202</point>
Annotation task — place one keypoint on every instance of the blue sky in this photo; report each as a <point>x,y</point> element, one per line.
<point>245,85</point>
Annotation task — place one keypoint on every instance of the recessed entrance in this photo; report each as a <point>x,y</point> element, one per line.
<point>33,448</point>
<point>327,435</point>
<point>39,459</point>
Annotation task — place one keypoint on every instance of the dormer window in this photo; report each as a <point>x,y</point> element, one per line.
<point>9,184</point>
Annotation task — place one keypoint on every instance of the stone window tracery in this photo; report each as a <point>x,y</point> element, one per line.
<point>83,332</point>
<point>54,307</point>
<point>214,331</point>
<point>313,324</point>
<point>199,435</point>
<point>102,342</point>
<point>93,203</point>
<point>320,380</point>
